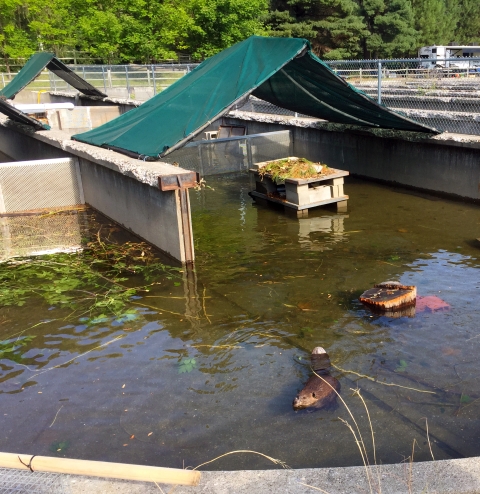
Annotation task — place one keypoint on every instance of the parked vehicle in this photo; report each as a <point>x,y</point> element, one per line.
<point>435,56</point>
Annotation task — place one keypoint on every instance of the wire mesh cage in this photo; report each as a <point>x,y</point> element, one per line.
<point>39,234</point>
<point>29,185</point>
<point>232,154</point>
<point>14,481</point>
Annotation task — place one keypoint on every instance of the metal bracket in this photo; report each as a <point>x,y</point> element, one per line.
<point>180,181</point>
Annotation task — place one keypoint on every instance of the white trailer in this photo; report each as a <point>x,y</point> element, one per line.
<point>434,56</point>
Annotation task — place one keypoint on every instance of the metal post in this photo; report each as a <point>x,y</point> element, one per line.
<point>360,75</point>
<point>154,81</point>
<point>3,79</point>
<point>379,80</point>
<point>104,81</point>
<point>128,82</point>
<point>83,72</point>
<point>200,161</point>
<point>249,152</point>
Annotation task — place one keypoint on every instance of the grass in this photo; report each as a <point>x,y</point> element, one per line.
<point>279,170</point>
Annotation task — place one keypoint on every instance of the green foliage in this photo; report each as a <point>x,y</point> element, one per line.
<point>436,21</point>
<point>464,399</point>
<point>468,28</point>
<point>59,447</point>
<point>11,348</point>
<point>147,31</point>
<point>402,366</point>
<point>186,365</point>
<point>391,28</point>
<point>334,27</point>
<point>279,170</point>
<point>304,332</point>
<point>95,281</point>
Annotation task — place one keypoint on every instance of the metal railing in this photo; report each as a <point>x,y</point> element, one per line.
<point>444,94</point>
<point>441,93</point>
<point>122,81</point>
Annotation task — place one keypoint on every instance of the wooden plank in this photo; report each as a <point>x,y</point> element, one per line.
<point>104,469</point>
<point>296,206</point>
<point>302,181</point>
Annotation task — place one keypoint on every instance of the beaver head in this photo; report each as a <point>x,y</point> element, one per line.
<point>305,398</point>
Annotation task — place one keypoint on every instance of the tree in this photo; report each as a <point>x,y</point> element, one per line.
<point>15,40</point>
<point>334,27</point>
<point>468,29</point>
<point>436,21</point>
<point>219,24</point>
<point>391,28</point>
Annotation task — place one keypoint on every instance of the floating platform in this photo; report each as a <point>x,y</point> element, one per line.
<point>300,195</point>
<point>390,296</point>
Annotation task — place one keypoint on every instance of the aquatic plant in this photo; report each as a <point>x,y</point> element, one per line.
<point>97,280</point>
<point>12,347</point>
<point>279,170</point>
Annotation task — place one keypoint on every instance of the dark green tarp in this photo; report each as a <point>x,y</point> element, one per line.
<point>282,71</point>
<point>35,64</point>
<point>18,116</point>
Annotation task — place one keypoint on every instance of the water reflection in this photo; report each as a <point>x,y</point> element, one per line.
<point>210,362</point>
<point>332,227</point>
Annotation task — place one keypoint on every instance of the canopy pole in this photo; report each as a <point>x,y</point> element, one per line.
<point>179,144</point>
<point>105,469</point>
<point>322,102</point>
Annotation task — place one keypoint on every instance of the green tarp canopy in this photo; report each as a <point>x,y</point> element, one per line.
<point>35,64</point>
<point>282,71</point>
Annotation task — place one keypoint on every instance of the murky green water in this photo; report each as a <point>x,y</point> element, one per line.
<point>213,363</point>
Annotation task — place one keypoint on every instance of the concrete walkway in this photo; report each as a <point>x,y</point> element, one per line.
<point>446,476</point>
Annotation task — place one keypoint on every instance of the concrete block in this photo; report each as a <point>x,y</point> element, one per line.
<point>320,193</point>
<point>337,191</point>
<point>117,92</point>
<point>81,118</point>
<point>298,194</point>
<point>142,93</point>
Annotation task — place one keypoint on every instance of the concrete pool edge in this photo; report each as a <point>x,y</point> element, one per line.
<point>126,190</point>
<point>460,476</point>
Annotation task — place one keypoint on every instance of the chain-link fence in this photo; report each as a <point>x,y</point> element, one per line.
<point>441,93</point>
<point>139,82</point>
<point>444,93</point>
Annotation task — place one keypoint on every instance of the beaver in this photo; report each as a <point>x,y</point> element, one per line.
<point>318,392</point>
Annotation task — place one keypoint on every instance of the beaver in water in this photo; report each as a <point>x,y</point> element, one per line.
<point>318,392</point>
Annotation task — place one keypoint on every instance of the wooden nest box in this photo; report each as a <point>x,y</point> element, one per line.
<point>300,194</point>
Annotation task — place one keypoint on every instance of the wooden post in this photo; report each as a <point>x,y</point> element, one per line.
<point>123,471</point>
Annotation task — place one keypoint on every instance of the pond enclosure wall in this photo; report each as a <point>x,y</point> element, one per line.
<point>130,191</point>
<point>123,189</point>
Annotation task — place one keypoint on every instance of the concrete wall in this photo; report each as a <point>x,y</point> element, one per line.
<point>142,209</point>
<point>124,189</point>
<point>81,119</point>
<point>435,164</point>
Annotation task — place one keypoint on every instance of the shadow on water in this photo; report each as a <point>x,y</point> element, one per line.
<point>210,362</point>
